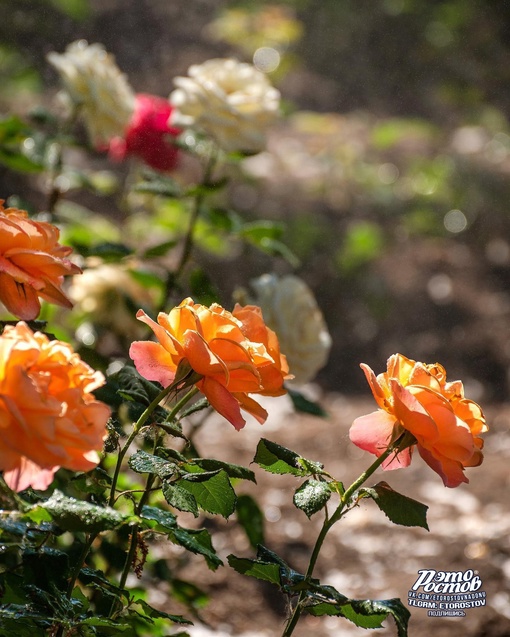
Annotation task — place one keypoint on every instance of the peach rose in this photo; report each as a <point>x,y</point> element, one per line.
<point>48,416</point>
<point>445,425</point>
<point>32,264</point>
<point>235,353</point>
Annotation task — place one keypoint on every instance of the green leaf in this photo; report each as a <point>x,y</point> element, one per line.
<point>179,498</point>
<point>398,508</point>
<point>109,251</point>
<point>214,494</point>
<point>277,459</point>
<point>251,518</point>
<point>156,184</point>
<point>232,470</point>
<point>197,541</point>
<point>188,594</point>
<point>259,569</point>
<point>76,515</point>
<point>257,231</point>
<point>159,250</point>
<point>159,614</point>
<point>304,405</point>
<point>135,387</point>
<point>366,613</point>
<point>312,496</point>
<point>164,518</point>
<point>198,405</point>
<point>18,161</point>
<point>143,462</point>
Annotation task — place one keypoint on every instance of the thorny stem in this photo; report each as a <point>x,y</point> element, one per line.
<point>328,523</point>
<point>148,488</point>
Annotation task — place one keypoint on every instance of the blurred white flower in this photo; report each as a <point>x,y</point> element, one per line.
<point>93,83</point>
<point>290,309</point>
<point>231,101</point>
<point>109,296</point>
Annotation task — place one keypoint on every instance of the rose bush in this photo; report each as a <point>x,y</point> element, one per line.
<point>236,354</point>
<point>290,309</point>
<point>415,397</point>
<point>94,84</point>
<point>231,101</point>
<point>32,264</point>
<point>48,416</point>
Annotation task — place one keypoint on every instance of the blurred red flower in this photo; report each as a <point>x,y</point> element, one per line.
<point>149,135</point>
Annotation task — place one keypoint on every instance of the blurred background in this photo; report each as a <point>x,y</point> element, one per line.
<point>389,173</point>
<point>389,169</point>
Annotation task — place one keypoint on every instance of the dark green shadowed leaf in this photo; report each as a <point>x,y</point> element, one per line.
<point>256,568</point>
<point>305,405</point>
<point>232,470</point>
<point>251,518</point>
<point>312,496</point>
<point>398,508</point>
<point>196,541</point>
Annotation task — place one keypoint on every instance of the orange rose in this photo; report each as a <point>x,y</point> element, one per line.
<point>48,416</point>
<point>235,353</point>
<point>416,396</point>
<point>32,264</point>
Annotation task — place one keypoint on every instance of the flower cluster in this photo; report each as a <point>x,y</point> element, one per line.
<point>415,397</point>
<point>48,416</point>
<point>290,309</point>
<point>32,264</point>
<point>235,354</point>
<point>231,101</point>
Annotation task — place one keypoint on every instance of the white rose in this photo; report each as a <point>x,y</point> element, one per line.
<point>231,101</point>
<point>95,85</point>
<point>290,309</point>
<point>110,296</point>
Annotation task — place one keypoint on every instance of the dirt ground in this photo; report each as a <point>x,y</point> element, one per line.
<point>365,555</point>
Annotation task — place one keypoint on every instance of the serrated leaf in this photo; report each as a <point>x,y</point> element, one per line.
<point>312,496</point>
<point>165,518</point>
<point>197,541</point>
<point>256,568</point>
<point>397,507</point>
<point>277,459</point>
<point>305,405</point>
<point>232,470</point>
<point>198,405</point>
<point>179,498</point>
<point>366,613</point>
<point>143,462</point>
<point>76,515</point>
<point>214,494</point>
<point>251,518</point>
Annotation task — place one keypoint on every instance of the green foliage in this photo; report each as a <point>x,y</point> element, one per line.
<point>312,496</point>
<point>251,518</point>
<point>398,508</point>
<point>304,405</point>
<point>277,459</point>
